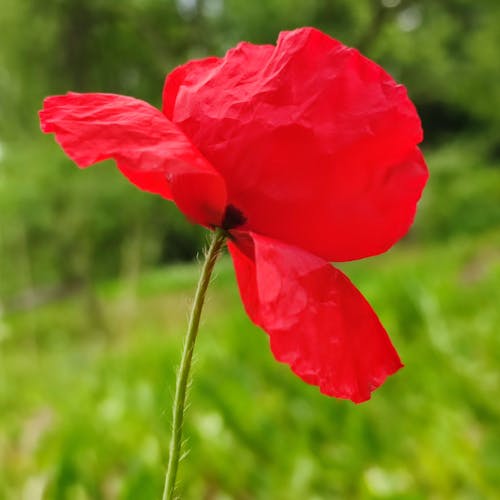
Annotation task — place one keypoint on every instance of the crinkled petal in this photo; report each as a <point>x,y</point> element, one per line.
<point>317,321</point>
<point>317,144</point>
<point>150,150</point>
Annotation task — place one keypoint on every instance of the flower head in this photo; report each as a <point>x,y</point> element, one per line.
<point>304,152</point>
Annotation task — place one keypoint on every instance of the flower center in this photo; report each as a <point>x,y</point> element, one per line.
<point>233,217</point>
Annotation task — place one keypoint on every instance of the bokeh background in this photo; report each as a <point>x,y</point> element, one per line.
<point>96,276</point>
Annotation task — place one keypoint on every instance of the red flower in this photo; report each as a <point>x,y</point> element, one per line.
<point>305,152</point>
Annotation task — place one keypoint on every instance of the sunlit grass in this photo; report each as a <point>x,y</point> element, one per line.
<point>85,403</point>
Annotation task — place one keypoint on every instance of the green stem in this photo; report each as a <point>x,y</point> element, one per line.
<point>216,243</point>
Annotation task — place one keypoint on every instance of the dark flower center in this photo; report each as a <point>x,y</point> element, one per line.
<point>233,217</point>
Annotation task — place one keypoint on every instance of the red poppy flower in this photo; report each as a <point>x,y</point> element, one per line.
<point>304,152</point>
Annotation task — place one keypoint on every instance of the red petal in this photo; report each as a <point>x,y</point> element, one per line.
<point>316,142</point>
<point>191,73</point>
<point>151,151</point>
<point>318,322</point>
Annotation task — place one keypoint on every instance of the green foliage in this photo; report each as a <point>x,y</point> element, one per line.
<point>87,416</point>
<point>62,225</point>
<point>463,195</point>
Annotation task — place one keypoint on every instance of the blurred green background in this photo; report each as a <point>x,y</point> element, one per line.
<point>96,276</point>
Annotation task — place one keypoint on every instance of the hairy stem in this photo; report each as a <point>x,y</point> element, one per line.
<point>216,243</point>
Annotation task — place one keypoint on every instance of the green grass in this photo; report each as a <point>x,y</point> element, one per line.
<point>85,404</point>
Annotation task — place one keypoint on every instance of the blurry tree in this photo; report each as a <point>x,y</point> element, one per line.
<point>58,225</point>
